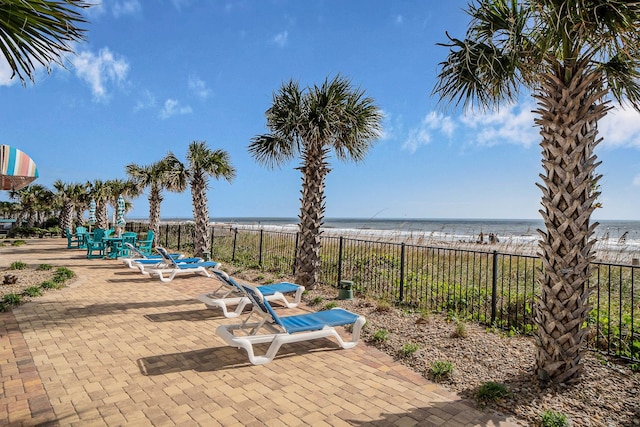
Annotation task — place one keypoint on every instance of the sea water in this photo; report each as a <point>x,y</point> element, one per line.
<point>614,235</point>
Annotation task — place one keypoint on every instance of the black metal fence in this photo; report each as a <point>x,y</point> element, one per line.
<point>496,289</point>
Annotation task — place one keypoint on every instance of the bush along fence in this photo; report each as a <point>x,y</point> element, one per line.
<point>492,288</point>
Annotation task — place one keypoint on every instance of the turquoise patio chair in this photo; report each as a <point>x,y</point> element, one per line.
<point>96,244</point>
<point>72,242</point>
<point>146,245</point>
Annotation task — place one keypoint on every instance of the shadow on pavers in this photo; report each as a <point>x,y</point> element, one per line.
<point>219,358</point>
<point>441,413</point>
<point>108,308</point>
<point>191,315</point>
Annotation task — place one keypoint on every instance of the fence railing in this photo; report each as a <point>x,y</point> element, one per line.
<point>493,288</point>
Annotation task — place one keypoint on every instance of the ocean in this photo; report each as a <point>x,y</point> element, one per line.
<point>612,235</point>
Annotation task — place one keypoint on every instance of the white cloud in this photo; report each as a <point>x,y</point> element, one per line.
<point>198,87</point>
<point>636,180</point>
<point>422,135</point>
<point>117,8</point>
<point>281,38</point>
<point>620,128</point>
<point>172,108</point>
<point>100,70</point>
<point>147,100</point>
<point>510,125</point>
<point>6,72</point>
<point>128,7</point>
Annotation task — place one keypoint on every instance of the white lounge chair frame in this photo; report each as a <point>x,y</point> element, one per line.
<point>245,335</point>
<point>171,268</point>
<point>229,293</point>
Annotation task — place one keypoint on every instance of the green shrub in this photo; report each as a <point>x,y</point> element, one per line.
<point>381,335</point>
<point>409,348</point>
<point>63,274</point>
<point>32,291</point>
<point>18,243</point>
<point>18,265</point>
<point>554,419</point>
<point>45,267</point>
<point>383,306</point>
<point>330,305</point>
<point>50,284</point>
<point>460,330</point>
<point>11,299</point>
<point>316,300</point>
<point>491,391</point>
<point>441,369</point>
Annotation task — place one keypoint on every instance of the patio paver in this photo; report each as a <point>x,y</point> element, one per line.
<point>117,348</point>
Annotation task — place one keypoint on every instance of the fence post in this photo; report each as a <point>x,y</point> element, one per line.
<point>213,232</point>
<point>179,235</point>
<point>295,252</point>
<point>166,236</point>
<point>402,246</point>
<point>235,237</point>
<point>494,287</point>
<point>260,250</point>
<point>340,261</point>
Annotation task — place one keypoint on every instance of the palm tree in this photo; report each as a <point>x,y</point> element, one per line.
<point>571,55</point>
<point>39,31</point>
<point>310,123</point>
<point>166,174</point>
<point>65,199</point>
<point>80,196</point>
<point>202,163</point>
<point>34,199</point>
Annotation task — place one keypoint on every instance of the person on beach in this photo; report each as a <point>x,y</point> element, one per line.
<point>480,238</point>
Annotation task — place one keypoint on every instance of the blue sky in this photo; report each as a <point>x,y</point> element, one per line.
<point>154,76</point>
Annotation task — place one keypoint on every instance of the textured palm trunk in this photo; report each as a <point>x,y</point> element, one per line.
<point>155,199</point>
<point>568,112</point>
<point>79,219</point>
<point>200,215</point>
<point>312,208</point>
<point>102,217</point>
<point>66,214</point>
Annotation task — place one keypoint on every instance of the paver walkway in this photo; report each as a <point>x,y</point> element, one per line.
<point>116,348</point>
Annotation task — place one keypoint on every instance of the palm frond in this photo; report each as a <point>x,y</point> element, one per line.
<point>272,151</point>
<point>39,32</point>
<point>623,79</point>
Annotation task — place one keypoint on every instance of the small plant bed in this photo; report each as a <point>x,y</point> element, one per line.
<point>464,356</point>
<point>22,282</point>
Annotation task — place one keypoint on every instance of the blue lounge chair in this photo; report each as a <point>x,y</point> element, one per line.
<point>143,259</point>
<point>171,268</point>
<point>230,293</point>
<point>287,329</point>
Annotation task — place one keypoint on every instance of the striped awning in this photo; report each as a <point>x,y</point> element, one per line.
<point>17,170</point>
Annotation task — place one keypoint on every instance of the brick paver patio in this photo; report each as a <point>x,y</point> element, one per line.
<point>116,348</point>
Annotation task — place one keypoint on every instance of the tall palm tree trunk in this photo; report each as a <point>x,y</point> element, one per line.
<point>568,112</point>
<point>66,218</point>
<point>102,216</point>
<point>312,209</point>
<point>155,200</point>
<point>200,216</point>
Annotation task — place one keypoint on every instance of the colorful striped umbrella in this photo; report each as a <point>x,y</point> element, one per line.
<point>17,170</point>
<point>120,222</point>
